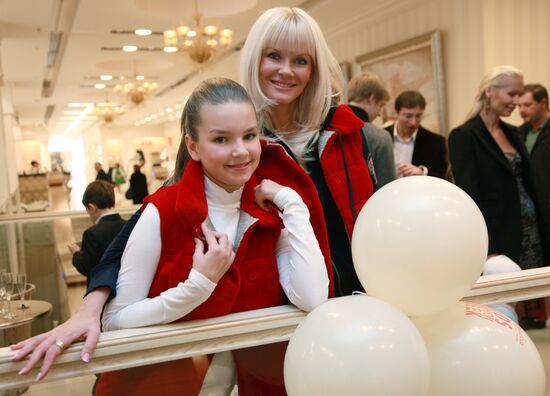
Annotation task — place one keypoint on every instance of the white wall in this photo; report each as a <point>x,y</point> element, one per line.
<point>8,135</point>
<point>517,33</point>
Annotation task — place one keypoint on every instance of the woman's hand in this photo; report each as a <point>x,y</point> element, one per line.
<point>83,325</point>
<point>218,257</point>
<point>265,192</point>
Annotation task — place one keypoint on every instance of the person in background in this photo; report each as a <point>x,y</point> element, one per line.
<point>138,185</point>
<point>36,168</point>
<point>99,201</point>
<point>418,151</point>
<point>490,162</point>
<point>366,97</point>
<point>101,175</point>
<point>118,176</point>
<point>533,108</point>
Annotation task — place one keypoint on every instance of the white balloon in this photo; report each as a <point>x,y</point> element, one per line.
<point>356,345</point>
<point>477,351</point>
<point>419,243</point>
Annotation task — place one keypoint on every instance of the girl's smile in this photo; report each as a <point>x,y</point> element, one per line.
<point>228,145</point>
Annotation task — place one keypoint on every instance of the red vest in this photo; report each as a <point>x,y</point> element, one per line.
<point>348,125</point>
<point>252,281</point>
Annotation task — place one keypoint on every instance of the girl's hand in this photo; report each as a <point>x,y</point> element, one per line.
<point>265,192</point>
<point>218,257</point>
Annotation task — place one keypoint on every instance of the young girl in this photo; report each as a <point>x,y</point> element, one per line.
<point>213,243</point>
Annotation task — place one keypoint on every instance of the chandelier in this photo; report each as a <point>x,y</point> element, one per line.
<point>137,89</point>
<point>108,110</point>
<point>200,42</point>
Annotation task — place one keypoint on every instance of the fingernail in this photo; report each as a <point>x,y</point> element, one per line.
<point>22,371</point>
<point>38,377</point>
<point>86,357</point>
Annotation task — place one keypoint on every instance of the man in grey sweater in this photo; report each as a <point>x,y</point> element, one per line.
<point>367,96</point>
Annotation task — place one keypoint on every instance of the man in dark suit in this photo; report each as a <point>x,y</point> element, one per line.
<point>138,185</point>
<point>101,175</point>
<point>417,150</point>
<point>99,200</point>
<point>533,108</point>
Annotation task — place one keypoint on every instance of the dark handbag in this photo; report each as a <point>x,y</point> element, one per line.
<point>129,194</point>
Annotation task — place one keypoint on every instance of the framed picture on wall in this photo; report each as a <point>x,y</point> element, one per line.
<point>415,64</point>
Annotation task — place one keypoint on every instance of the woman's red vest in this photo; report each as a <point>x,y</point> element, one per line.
<point>345,127</point>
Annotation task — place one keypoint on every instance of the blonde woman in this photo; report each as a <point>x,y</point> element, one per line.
<point>294,81</point>
<point>490,162</point>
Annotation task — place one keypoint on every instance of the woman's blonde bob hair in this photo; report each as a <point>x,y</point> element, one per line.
<point>497,77</point>
<point>292,28</point>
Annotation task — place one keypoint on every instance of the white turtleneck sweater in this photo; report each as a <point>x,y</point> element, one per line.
<point>302,272</point>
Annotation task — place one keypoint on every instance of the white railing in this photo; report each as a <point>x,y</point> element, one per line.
<point>57,214</point>
<point>137,347</point>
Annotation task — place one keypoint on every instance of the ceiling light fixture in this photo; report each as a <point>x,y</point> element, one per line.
<point>136,90</point>
<point>199,42</point>
<point>143,32</point>
<point>79,104</point>
<point>129,48</point>
<point>108,110</point>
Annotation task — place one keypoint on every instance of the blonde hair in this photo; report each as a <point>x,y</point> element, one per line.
<point>293,28</point>
<point>496,78</point>
<point>365,84</point>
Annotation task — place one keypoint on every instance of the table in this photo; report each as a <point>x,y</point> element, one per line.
<point>18,328</point>
<point>36,310</point>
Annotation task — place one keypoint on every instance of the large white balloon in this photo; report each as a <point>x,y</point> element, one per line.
<point>419,243</point>
<point>356,345</point>
<point>477,351</point>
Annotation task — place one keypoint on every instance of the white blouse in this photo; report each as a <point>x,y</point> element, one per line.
<point>302,272</point>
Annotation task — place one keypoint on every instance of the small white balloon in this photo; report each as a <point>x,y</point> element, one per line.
<point>419,243</point>
<point>477,351</point>
<point>356,345</point>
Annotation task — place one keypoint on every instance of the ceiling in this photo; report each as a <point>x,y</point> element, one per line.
<point>40,94</point>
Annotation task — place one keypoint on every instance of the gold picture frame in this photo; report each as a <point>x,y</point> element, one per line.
<point>415,64</point>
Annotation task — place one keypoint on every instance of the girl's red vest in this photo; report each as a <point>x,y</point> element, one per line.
<point>252,280</point>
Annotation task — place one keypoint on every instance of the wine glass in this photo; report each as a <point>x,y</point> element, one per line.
<point>9,284</point>
<point>21,283</point>
<point>2,292</point>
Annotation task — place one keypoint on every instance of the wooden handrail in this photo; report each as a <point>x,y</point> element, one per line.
<point>137,347</point>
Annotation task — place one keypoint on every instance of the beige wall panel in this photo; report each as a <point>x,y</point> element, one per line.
<point>516,33</point>
<point>382,25</point>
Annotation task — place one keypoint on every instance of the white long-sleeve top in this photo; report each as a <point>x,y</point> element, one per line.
<point>302,272</point>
